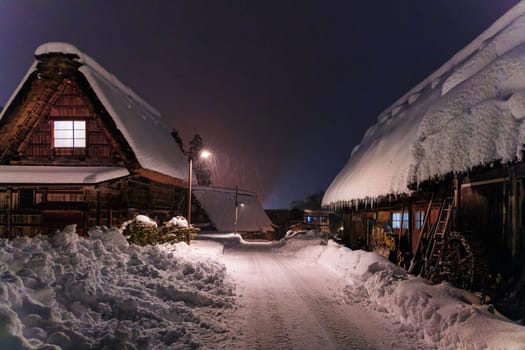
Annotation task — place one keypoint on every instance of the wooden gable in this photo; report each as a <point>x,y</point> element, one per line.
<point>57,92</point>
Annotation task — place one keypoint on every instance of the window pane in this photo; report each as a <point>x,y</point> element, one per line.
<point>405,220</point>
<point>420,217</point>
<point>396,220</point>
<point>63,125</point>
<point>63,134</point>
<point>63,142</point>
<point>80,125</point>
<point>80,134</point>
<point>80,143</point>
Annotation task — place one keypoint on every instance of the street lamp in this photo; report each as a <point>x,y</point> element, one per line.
<point>204,154</point>
<point>237,205</point>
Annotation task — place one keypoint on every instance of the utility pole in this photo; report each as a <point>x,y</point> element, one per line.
<point>236,207</point>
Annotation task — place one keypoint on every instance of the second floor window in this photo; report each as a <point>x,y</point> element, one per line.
<point>69,133</point>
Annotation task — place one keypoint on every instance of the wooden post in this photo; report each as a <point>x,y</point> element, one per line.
<point>515,212</point>
<point>190,174</point>
<point>410,224</point>
<point>456,208</point>
<point>98,207</point>
<point>236,209</point>
<point>347,226</point>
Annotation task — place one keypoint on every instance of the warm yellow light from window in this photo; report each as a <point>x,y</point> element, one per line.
<point>70,133</point>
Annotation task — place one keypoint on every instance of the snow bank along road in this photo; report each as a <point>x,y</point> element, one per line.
<point>289,303</point>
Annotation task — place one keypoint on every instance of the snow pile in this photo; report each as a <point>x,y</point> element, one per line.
<point>470,112</point>
<point>76,293</point>
<point>445,316</point>
<point>178,221</point>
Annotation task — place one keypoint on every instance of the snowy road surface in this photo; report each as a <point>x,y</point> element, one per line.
<point>287,303</point>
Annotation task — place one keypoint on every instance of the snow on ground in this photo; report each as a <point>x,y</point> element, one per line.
<point>444,316</point>
<point>68,292</point>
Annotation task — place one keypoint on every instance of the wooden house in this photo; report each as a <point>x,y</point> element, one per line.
<point>441,174</point>
<point>318,219</point>
<point>78,146</point>
<point>233,210</point>
<point>285,219</point>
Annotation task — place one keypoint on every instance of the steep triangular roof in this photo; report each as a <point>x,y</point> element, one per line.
<point>140,124</point>
<point>469,112</point>
<point>219,204</point>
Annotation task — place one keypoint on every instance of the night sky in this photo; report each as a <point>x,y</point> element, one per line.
<point>280,91</point>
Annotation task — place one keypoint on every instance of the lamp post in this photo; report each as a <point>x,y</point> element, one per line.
<point>236,209</point>
<point>237,205</point>
<point>202,154</point>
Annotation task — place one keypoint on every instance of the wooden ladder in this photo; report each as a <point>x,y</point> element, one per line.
<point>421,245</point>
<point>35,107</point>
<point>437,237</point>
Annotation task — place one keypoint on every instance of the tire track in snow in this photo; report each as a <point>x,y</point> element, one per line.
<point>287,304</point>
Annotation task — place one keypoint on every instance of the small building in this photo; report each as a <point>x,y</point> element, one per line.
<point>78,146</point>
<point>232,210</point>
<point>284,219</point>
<point>446,160</point>
<point>317,219</point>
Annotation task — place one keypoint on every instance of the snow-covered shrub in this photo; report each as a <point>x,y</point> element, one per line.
<point>136,232</point>
<point>145,220</point>
<point>178,229</point>
<point>143,230</point>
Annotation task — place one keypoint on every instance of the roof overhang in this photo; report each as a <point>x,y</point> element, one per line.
<point>74,175</point>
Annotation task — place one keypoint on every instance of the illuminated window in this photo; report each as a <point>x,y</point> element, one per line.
<point>70,134</point>
<point>396,220</point>
<point>420,218</point>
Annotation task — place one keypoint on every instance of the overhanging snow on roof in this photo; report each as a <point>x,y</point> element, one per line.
<point>219,205</point>
<point>470,112</point>
<point>140,124</point>
<point>29,174</point>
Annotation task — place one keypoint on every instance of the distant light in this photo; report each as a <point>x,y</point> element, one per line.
<point>205,154</point>
<point>241,204</point>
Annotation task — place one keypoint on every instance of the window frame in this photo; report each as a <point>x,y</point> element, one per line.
<point>77,132</point>
<point>419,219</point>
<point>395,220</point>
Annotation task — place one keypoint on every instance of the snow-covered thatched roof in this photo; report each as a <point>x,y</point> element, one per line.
<point>219,205</point>
<point>140,124</point>
<point>469,112</point>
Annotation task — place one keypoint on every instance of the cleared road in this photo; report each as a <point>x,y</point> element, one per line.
<point>289,304</point>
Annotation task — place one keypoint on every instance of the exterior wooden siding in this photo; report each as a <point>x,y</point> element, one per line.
<point>490,213</point>
<point>31,210</point>
<point>71,104</point>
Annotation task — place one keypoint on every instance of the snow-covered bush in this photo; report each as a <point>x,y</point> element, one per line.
<point>143,230</point>
<point>178,228</point>
<point>136,232</point>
